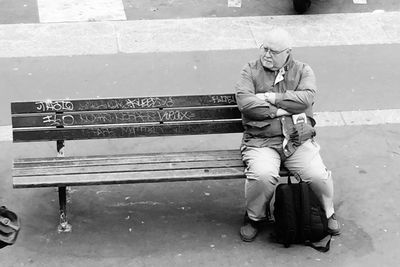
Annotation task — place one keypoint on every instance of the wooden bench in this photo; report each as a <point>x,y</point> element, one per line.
<point>62,120</point>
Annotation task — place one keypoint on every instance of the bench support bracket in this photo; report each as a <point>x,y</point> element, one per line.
<point>64,226</point>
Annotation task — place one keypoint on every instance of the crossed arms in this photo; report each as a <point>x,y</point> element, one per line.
<point>261,106</point>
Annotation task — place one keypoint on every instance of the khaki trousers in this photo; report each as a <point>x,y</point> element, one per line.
<point>262,176</point>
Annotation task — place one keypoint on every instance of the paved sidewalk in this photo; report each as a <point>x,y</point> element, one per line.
<point>197,34</point>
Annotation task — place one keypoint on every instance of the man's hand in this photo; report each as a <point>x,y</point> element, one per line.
<point>301,132</point>
<point>269,97</point>
<point>282,112</point>
<point>261,96</point>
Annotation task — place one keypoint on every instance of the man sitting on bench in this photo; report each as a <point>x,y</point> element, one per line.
<point>275,94</point>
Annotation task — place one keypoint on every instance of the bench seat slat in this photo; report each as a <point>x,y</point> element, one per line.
<point>103,168</point>
<point>128,158</point>
<point>129,177</point>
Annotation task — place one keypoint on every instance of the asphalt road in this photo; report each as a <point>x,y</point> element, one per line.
<point>25,11</point>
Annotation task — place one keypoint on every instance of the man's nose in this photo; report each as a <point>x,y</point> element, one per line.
<point>268,54</point>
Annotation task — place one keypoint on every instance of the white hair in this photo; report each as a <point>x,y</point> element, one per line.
<point>280,37</point>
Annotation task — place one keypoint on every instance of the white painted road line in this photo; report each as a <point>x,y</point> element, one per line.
<point>323,119</point>
<point>196,34</point>
<point>5,133</point>
<point>80,10</point>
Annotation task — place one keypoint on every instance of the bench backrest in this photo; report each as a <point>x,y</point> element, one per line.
<point>125,117</point>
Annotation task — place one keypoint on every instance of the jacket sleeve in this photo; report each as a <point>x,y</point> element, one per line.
<point>251,106</point>
<point>300,98</point>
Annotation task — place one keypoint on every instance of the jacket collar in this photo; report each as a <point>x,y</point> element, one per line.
<point>289,62</point>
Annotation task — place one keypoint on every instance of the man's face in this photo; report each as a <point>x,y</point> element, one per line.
<point>273,55</point>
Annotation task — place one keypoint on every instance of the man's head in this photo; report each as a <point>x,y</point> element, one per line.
<point>275,49</point>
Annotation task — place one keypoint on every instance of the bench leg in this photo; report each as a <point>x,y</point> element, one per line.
<point>62,197</point>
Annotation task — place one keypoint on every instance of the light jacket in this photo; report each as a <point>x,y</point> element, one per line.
<point>295,93</point>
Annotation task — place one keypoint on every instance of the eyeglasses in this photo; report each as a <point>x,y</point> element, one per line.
<point>272,52</point>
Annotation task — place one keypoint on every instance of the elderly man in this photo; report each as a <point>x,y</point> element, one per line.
<point>275,94</point>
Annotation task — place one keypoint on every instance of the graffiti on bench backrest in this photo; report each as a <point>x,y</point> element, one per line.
<point>126,103</point>
<point>55,120</point>
<point>57,106</point>
<point>157,130</point>
<point>223,99</point>
<point>138,116</point>
<point>117,117</point>
<point>113,104</point>
<point>129,103</point>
